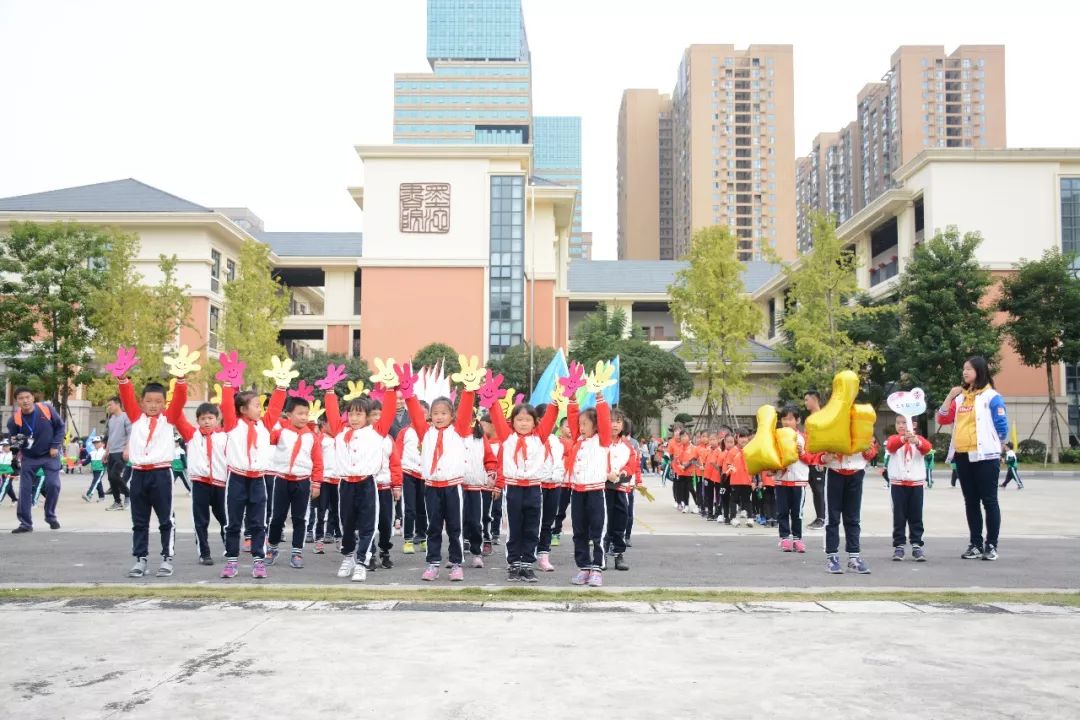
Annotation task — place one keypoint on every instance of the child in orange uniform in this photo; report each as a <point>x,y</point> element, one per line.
<point>740,481</point>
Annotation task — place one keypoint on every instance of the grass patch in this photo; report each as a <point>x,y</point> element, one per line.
<point>518,594</point>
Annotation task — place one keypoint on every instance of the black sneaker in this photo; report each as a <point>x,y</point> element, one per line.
<point>206,560</point>
<point>53,524</point>
<point>21,529</point>
<point>620,562</point>
<point>513,573</point>
<point>386,562</point>
<point>526,574</point>
<point>371,564</point>
<point>817,524</point>
<point>990,553</point>
<point>974,552</point>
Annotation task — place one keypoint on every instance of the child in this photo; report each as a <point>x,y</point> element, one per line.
<point>1013,472</point>
<point>551,492</point>
<point>490,497</point>
<point>480,467</point>
<point>564,492</point>
<point>326,528</point>
<point>414,528</point>
<point>587,465</point>
<point>150,451</point>
<point>207,465</point>
<point>7,472</point>
<point>727,448</point>
<point>443,465</point>
<point>767,500</point>
<point>843,499</point>
<point>523,464</point>
<point>907,478</point>
<point>929,462</point>
<point>711,476</point>
<point>97,469</point>
<point>178,465</point>
<point>388,482</point>
<point>361,454</point>
<point>740,481</point>
<point>621,479</point>
<point>791,488</point>
<point>249,455</point>
<point>296,468</point>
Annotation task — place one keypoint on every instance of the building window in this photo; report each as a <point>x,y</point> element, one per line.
<point>230,271</point>
<point>506,267</point>
<point>1070,216</point>
<point>215,271</point>
<point>214,324</point>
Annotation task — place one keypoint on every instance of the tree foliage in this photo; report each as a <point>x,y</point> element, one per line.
<point>313,367</point>
<point>1043,303</point>
<point>710,304</point>
<point>817,313</point>
<point>514,365</point>
<point>943,319</point>
<point>878,331</point>
<point>437,352</point>
<point>47,273</point>
<point>255,307</point>
<point>126,310</point>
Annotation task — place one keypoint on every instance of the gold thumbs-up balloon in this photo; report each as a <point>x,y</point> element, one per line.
<point>770,449</point>
<point>841,426</point>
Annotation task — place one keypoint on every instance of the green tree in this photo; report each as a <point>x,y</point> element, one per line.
<point>436,352</point>
<point>650,378</point>
<point>818,309</point>
<point>255,307</point>
<point>710,304</point>
<point>314,367</point>
<point>47,273</point>
<point>125,310</point>
<point>877,331</point>
<point>1043,303</point>
<point>943,319</point>
<point>514,365</point>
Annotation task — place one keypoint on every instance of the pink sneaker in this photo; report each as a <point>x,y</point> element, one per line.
<point>230,569</point>
<point>800,546</point>
<point>596,578</point>
<point>258,570</point>
<point>786,545</point>
<point>582,578</point>
<point>320,547</point>
<point>456,574</point>
<point>432,573</point>
<point>543,562</point>
<point>478,562</point>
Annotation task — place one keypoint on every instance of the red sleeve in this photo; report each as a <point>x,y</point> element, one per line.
<point>228,408</point>
<point>603,421</point>
<point>573,412</point>
<point>924,445</point>
<point>490,461</point>
<point>416,416</point>
<point>399,443</point>
<point>179,400</point>
<point>547,423</point>
<point>396,479</point>
<point>465,413</point>
<point>502,429</point>
<point>128,401</point>
<point>893,444</point>
<point>805,455</point>
<point>333,413</point>
<point>816,458</point>
<point>871,452</point>
<point>184,427</point>
<point>947,417</point>
<point>386,419</point>
<point>316,459</point>
<point>274,408</point>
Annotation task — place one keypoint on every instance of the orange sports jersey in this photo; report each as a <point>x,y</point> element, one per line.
<point>687,455</point>
<point>739,475</point>
<point>711,461</point>
<point>768,479</point>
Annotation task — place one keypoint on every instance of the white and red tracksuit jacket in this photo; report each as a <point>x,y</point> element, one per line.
<point>480,464</point>
<point>297,453</point>
<point>624,460</point>
<point>589,461</point>
<point>361,452</point>
<point>443,450</point>
<point>248,450</point>
<point>389,475</point>
<point>150,444</point>
<point>797,474</point>
<point>408,448</point>
<point>906,465</point>
<point>206,450</point>
<point>559,448</point>
<point>524,460</point>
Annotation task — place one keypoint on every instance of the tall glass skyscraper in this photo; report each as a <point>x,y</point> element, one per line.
<point>476,30</point>
<point>557,157</point>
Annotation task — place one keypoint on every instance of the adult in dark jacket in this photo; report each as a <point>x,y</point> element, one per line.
<point>43,429</point>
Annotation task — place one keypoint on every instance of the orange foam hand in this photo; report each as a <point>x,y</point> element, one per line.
<point>842,426</point>
<point>763,451</point>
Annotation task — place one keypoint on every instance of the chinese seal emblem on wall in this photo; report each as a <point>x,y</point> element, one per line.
<point>424,207</point>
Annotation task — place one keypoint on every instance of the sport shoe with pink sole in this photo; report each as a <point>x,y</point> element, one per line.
<point>477,561</point>
<point>582,578</point>
<point>596,578</point>
<point>786,545</point>
<point>456,574</point>
<point>543,563</point>
<point>432,573</point>
<point>258,569</point>
<point>230,569</point>
<point>799,546</point>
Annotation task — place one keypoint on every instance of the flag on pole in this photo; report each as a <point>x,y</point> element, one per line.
<point>556,369</point>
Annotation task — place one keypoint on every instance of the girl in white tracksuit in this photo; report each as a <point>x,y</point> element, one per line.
<point>480,465</point>
<point>588,465</point>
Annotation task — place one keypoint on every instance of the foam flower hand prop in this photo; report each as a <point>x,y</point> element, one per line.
<point>600,378</point>
<point>183,363</point>
<point>573,382</point>
<point>317,410</point>
<point>490,390</point>
<point>281,372</point>
<point>406,380</point>
<point>506,403</point>
<point>471,375</point>
<point>232,369</point>
<point>125,360</point>
<point>216,398</point>
<point>169,394</point>
<point>303,390</point>
<point>384,373</point>
<point>334,375</point>
<point>377,392</point>
<point>559,398</point>
<point>356,389</point>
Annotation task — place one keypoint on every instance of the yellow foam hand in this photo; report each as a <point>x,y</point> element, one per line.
<point>263,398</point>
<point>841,427</point>
<point>356,389</point>
<point>169,394</point>
<point>559,398</point>
<point>281,372</point>
<point>384,373</point>
<point>506,403</point>
<point>216,397</point>
<point>183,362</point>
<point>471,375</point>
<point>644,491</point>
<point>316,411</point>
<point>600,378</point>
<point>762,452</point>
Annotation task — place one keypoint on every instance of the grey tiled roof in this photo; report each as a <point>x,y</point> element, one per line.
<point>316,244</point>
<point>762,353</point>
<point>126,195</point>
<point>647,276</point>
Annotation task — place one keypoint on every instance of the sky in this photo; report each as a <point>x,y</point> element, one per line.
<point>259,103</point>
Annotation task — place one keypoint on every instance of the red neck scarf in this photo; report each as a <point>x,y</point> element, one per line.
<point>435,456</point>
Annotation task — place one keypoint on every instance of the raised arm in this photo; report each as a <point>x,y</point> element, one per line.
<point>573,412</point>
<point>502,428</point>
<point>273,408</point>
<point>179,400</point>
<point>333,413</point>
<point>416,416</point>
<point>386,419</point>
<point>464,421</point>
<point>228,407</point>
<point>128,400</point>
<point>947,416</point>
<point>603,420</point>
<point>547,423</point>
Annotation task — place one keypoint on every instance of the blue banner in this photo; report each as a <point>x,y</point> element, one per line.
<point>556,369</point>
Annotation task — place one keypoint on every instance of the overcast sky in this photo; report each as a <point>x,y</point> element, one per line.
<point>259,103</point>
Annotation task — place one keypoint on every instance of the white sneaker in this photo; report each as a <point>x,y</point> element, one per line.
<point>749,522</point>
<point>347,566</point>
<point>359,573</point>
<point>684,509</point>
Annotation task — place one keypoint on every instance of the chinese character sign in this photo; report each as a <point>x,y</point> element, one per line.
<point>424,207</point>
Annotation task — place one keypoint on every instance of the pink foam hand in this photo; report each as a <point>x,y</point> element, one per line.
<point>377,392</point>
<point>125,360</point>
<point>232,369</point>
<point>406,380</point>
<point>453,397</point>
<point>490,391</point>
<point>573,382</point>
<point>303,390</point>
<point>519,398</point>
<point>334,375</point>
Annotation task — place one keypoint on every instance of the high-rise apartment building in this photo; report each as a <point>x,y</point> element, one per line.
<point>927,99</point>
<point>557,157</point>
<point>644,176</point>
<point>732,157</point>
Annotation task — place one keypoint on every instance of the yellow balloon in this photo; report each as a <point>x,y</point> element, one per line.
<point>787,440</point>
<point>841,426</point>
<point>762,452</point>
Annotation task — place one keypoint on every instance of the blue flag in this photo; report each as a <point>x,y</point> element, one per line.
<point>556,369</point>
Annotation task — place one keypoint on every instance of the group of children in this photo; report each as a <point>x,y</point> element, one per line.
<point>253,468</point>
